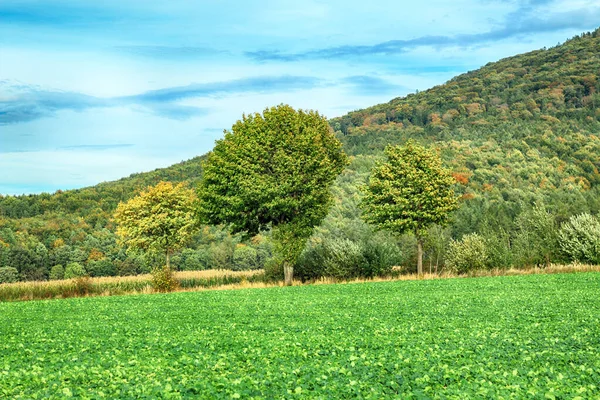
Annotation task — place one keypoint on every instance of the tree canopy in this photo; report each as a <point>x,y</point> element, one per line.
<point>160,219</point>
<point>409,192</point>
<point>273,170</point>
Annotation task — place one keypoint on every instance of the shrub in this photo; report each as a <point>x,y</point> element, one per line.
<point>130,266</point>
<point>74,270</point>
<point>380,257</point>
<point>536,241</point>
<point>163,279</point>
<point>336,258</point>
<point>102,267</point>
<point>499,252</point>
<point>194,260</point>
<point>57,272</point>
<point>8,275</point>
<point>245,258</point>
<point>467,254</point>
<point>274,270</point>
<point>579,238</point>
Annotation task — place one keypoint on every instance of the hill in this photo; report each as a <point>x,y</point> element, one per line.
<point>521,134</point>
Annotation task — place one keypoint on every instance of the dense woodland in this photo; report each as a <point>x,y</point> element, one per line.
<point>522,137</point>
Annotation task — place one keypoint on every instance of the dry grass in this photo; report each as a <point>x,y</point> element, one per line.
<point>118,285</point>
<point>227,280</point>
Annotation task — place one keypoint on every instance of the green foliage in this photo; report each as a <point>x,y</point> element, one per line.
<point>409,192</point>
<point>57,272</point>
<point>579,238</point>
<point>468,254</point>
<point>500,254</point>
<point>245,258</point>
<point>163,279</point>
<point>102,267</point>
<point>74,270</point>
<point>454,338</point>
<point>346,259</point>
<point>8,275</point>
<point>273,170</point>
<point>536,241</point>
<point>160,219</point>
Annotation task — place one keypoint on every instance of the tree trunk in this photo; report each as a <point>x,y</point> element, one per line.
<point>419,256</point>
<point>168,261</point>
<point>288,273</point>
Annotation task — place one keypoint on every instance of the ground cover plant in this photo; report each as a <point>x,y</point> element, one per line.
<point>534,336</point>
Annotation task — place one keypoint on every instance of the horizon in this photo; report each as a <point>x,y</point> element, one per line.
<point>91,94</point>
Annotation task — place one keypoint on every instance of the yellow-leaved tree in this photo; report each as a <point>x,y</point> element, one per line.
<point>160,219</point>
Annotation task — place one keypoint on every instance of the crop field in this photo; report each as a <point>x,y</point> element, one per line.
<point>534,336</point>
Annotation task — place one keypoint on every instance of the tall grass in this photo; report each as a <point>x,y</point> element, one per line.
<point>110,286</point>
<point>225,279</point>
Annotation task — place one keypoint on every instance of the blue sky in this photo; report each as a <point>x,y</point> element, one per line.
<point>95,91</point>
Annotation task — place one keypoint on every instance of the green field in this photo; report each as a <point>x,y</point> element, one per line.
<point>532,336</point>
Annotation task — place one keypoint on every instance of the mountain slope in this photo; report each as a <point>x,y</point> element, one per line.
<point>524,129</point>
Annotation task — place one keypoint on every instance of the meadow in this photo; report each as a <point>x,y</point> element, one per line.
<point>530,336</point>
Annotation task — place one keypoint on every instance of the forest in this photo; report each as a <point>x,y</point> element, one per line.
<point>521,137</point>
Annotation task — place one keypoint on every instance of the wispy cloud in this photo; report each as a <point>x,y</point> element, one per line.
<point>26,103</point>
<point>522,22</point>
<point>264,84</point>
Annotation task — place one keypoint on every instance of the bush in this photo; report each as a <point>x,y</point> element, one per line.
<point>380,257</point>
<point>102,267</point>
<point>467,254</point>
<point>194,260</point>
<point>579,238</point>
<point>8,275</point>
<point>245,258</point>
<point>536,240</point>
<point>499,252</point>
<point>163,279</point>
<point>336,258</point>
<point>57,272</point>
<point>74,270</point>
<point>274,270</point>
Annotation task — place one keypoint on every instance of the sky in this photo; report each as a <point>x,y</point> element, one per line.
<point>93,91</point>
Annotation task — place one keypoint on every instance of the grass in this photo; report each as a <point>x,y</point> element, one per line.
<point>226,279</point>
<point>530,336</point>
<point>110,286</point>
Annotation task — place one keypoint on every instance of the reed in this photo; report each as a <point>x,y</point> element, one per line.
<point>120,285</point>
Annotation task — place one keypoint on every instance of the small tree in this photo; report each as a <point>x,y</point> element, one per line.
<point>409,192</point>
<point>161,219</point>
<point>273,170</point>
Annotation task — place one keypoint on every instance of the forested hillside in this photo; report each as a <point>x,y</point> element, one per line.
<point>521,135</point>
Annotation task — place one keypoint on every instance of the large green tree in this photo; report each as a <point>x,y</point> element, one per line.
<point>409,193</point>
<point>273,171</point>
<point>161,219</point>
